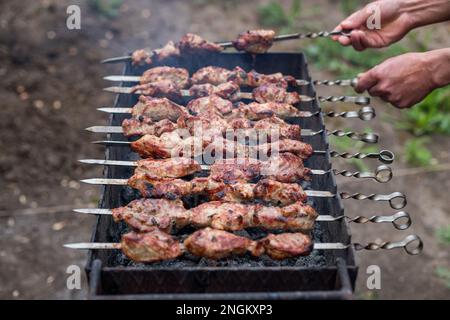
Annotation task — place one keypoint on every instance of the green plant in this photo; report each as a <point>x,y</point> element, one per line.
<point>345,61</point>
<point>350,6</point>
<point>416,153</point>
<point>106,8</point>
<point>444,273</point>
<point>432,115</point>
<point>274,15</point>
<point>443,235</point>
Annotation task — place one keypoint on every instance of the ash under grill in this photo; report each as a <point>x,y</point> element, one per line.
<point>325,270</point>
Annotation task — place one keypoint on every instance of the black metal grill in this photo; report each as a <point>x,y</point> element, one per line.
<point>323,274</point>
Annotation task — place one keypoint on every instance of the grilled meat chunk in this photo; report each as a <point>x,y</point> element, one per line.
<point>143,125</point>
<point>258,111</point>
<point>152,246</point>
<point>212,104</point>
<point>158,109</point>
<point>145,215</point>
<point>178,76</point>
<point>141,56</point>
<point>254,41</point>
<point>287,245</point>
<point>167,168</point>
<point>218,244</point>
<point>295,217</point>
<point>168,50</point>
<point>162,88</point>
<point>212,75</point>
<point>194,44</point>
<point>270,92</point>
<point>286,167</point>
<point>228,90</point>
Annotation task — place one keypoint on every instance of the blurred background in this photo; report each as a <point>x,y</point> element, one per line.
<point>51,83</point>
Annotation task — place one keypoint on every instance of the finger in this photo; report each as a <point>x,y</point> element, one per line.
<point>366,81</point>
<point>345,41</point>
<point>356,38</point>
<point>356,20</point>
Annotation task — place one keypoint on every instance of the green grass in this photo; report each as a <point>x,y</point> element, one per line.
<point>273,14</point>
<point>106,8</point>
<point>444,273</point>
<point>443,235</point>
<point>416,153</point>
<point>432,115</point>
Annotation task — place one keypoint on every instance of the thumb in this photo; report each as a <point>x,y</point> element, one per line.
<point>356,20</point>
<point>366,81</point>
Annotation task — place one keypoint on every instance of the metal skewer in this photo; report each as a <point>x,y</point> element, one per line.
<point>300,82</point>
<point>360,100</point>
<point>381,174</point>
<point>407,244</point>
<point>364,137</point>
<point>400,220</point>
<point>366,113</point>
<point>229,44</point>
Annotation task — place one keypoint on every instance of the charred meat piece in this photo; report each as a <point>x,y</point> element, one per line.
<point>212,75</point>
<point>178,76</point>
<point>152,246</point>
<point>167,168</point>
<point>141,56</point>
<point>145,215</point>
<point>287,245</point>
<point>228,90</point>
<point>278,192</point>
<point>194,44</point>
<point>209,105</point>
<point>158,109</point>
<point>257,111</point>
<point>270,92</point>
<point>169,50</point>
<point>254,41</point>
<point>222,215</point>
<point>144,125</point>
<point>286,167</point>
<point>218,244</point>
<point>294,217</point>
<point>163,88</point>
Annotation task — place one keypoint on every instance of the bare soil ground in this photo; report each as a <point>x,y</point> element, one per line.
<point>51,83</point>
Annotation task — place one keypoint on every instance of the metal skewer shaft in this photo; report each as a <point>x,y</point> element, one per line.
<point>360,100</point>
<point>412,244</point>
<point>365,113</point>
<point>299,82</point>
<point>381,174</point>
<point>365,137</point>
<point>401,220</point>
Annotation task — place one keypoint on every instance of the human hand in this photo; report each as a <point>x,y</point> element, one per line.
<point>403,80</point>
<point>395,23</point>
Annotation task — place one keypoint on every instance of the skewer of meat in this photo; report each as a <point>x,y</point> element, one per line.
<point>252,41</point>
<point>157,245</point>
<point>143,215</point>
<point>218,75</point>
<point>268,92</point>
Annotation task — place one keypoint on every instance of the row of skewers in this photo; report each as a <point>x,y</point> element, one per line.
<point>258,187</point>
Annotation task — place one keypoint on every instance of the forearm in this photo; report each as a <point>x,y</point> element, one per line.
<point>424,12</point>
<point>438,62</point>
